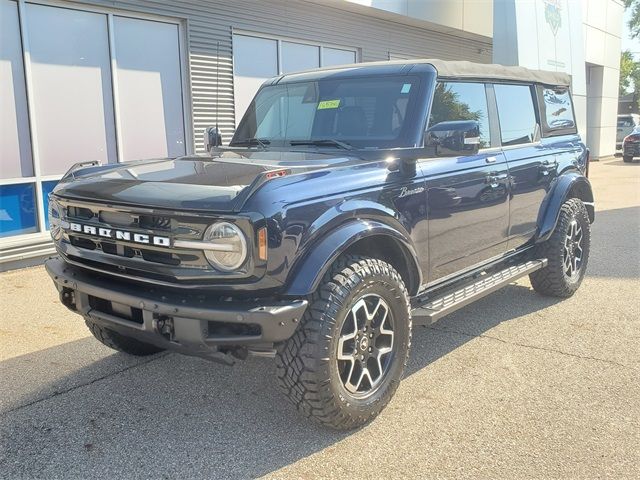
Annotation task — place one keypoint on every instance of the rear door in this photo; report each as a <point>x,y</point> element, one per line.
<point>467,196</point>
<point>532,165</point>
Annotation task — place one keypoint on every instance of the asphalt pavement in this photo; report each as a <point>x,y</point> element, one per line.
<point>514,386</point>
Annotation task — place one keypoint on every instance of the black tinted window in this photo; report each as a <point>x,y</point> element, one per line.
<point>516,114</point>
<point>558,111</point>
<point>454,101</point>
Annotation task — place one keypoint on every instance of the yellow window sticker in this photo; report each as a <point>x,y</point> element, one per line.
<point>326,104</point>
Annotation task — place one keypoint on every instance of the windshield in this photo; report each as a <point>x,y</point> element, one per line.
<point>332,113</point>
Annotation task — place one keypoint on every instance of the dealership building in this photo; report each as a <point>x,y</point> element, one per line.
<point>129,79</point>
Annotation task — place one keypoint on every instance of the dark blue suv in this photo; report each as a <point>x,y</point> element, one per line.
<point>350,203</point>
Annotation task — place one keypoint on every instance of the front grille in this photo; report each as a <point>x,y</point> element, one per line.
<point>155,222</point>
<point>144,258</point>
<point>93,239</point>
<point>79,213</point>
<point>112,248</point>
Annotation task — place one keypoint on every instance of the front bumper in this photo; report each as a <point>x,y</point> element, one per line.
<point>191,323</point>
<point>631,150</point>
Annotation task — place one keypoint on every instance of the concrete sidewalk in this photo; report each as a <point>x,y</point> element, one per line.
<point>516,385</point>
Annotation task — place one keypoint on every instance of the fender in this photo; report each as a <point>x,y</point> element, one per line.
<point>570,184</point>
<point>310,270</point>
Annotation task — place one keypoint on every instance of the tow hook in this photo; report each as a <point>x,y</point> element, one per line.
<point>68,298</point>
<point>164,326</point>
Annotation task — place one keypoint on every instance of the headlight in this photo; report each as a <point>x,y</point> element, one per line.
<point>54,219</point>
<point>228,246</point>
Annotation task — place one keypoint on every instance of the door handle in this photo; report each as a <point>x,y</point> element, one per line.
<point>493,179</point>
<point>546,167</point>
<point>490,160</point>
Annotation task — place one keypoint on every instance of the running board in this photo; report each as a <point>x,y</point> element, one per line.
<point>461,295</point>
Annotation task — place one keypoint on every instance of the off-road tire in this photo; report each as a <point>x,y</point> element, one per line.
<point>553,280</point>
<point>627,158</point>
<point>307,363</point>
<point>120,342</point>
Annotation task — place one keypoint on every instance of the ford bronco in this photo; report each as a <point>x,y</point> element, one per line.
<point>350,203</point>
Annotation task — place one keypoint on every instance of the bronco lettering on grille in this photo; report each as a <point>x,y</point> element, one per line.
<point>120,235</point>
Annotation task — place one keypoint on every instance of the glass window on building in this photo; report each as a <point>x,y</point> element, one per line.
<point>59,109</point>
<point>18,212</point>
<point>336,56</point>
<point>15,142</point>
<point>516,113</point>
<point>149,89</point>
<point>256,59</point>
<point>71,78</point>
<point>297,57</point>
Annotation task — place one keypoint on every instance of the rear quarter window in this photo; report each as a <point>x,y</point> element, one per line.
<point>557,110</point>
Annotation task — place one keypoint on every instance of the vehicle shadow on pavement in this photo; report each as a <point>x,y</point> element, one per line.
<point>171,415</point>
<point>614,236</point>
<point>621,163</point>
<point>79,410</point>
<point>508,304</point>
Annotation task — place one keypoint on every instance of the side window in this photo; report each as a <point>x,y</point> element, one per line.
<point>558,111</point>
<point>516,114</point>
<point>454,101</point>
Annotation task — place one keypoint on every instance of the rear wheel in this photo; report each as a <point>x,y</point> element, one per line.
<point>120,342</point>
<point>627,158</point>
<point>346,359</point>
<point>567,252</point>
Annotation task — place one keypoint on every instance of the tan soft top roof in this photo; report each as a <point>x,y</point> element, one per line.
<point>449,69</point>
<point>463,69</point>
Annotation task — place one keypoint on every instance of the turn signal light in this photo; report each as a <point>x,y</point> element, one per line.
<point>262,243</point>
<point>276,174</point>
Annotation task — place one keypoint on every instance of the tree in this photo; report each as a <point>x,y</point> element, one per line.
<point>629,73</point>
<point>629,67</point>
<point>634,20</point>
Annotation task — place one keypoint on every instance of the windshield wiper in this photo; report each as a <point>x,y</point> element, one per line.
<point>323,143</point>
<point>261,142</point>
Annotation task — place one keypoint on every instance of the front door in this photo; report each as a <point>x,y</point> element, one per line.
<point>467,196</point>
<point>468,211</point>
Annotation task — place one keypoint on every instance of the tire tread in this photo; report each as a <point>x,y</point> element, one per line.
<point>551,280</point>
<point>303,362</point>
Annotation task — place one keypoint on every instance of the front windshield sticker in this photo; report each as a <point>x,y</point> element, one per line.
<point>326,104</point>
<point>405,88</point>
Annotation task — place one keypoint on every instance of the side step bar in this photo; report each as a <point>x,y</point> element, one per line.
<point>461,295</point>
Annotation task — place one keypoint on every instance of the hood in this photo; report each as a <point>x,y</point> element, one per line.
<point>221,183</point>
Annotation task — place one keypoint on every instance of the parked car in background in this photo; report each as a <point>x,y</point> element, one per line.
<point>631,145</point>
<point>626,124</point>
<point>351,204</point>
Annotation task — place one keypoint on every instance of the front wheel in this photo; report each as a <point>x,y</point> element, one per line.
<point>567,252</point>
<point>345,361</point>
<point>627,158</point>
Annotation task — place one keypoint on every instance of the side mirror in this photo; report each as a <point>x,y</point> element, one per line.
<point>453,139</point>
<point>212,138</point>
